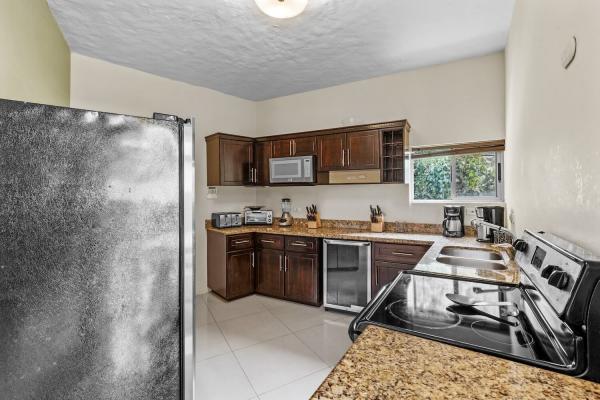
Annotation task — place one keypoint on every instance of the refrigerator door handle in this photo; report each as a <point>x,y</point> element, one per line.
<point>346,243</point>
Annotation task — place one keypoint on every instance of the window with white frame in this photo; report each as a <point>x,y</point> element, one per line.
<point>464,172</point>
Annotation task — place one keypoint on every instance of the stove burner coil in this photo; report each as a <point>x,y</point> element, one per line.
<point>488,330</point>
<point>429,319</point>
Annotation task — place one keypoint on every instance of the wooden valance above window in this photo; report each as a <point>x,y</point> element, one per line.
<point>457,148</point>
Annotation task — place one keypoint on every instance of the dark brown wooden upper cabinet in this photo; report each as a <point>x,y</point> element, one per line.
<point>353,150</point>
<point>331,152</point>
<point>262,152</point>
<point>230,160</point>
<point>291,147</point>
<point>362,150</point>
<point>304,146</point>
<point>282,148</point>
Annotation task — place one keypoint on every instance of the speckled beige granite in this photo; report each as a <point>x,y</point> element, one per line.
<point>385,364</point>
<point>347,230</point>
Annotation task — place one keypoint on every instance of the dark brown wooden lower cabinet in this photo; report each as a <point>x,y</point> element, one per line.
<point>240,273</point>
<point>384,273</point>
<point>269,272</point>
<point>302,277</point>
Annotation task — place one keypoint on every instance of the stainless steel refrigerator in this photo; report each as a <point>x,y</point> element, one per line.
<point>96,255</point>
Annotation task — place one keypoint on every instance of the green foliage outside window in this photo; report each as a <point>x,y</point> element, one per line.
<point>432,178</point>
<point>475,176</point>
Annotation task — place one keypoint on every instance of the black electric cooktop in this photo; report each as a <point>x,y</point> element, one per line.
<point>417,304</point>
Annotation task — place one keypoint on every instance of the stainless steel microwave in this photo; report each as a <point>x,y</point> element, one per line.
<point>292,169</point>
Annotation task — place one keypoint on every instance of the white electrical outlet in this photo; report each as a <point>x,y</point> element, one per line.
<point>212,193</point>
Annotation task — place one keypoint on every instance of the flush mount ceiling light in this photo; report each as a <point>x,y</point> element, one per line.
<point>282,8</point>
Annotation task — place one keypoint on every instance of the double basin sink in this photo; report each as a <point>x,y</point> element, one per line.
<point>471,258</point>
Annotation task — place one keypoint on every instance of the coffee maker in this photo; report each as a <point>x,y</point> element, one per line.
<point>492,215</point>
<point>454,221</point>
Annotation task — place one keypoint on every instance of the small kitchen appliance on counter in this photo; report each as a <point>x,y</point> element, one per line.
<point>551,319</point>
<point>286,218</point>
<point>255,215</point>
<point>226,219</point>
<point>491,215</point>
<point>454,221</point>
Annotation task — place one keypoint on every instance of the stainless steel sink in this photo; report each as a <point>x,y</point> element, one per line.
<point>478,254</point>
<point>471,263</point>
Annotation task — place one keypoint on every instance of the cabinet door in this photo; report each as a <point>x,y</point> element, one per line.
<point>282,148</point>
<point>269,272</point>
<point>304,146</point>
<point>331,152</point>
<point>384,272</point>
<point>240,273</point>
<point>302,277</point>
<point>262,153</point>
<point>236,161</point>
<point>362,150</point>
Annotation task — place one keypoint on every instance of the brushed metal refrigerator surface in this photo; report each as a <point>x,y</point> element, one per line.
<point>90,276</point>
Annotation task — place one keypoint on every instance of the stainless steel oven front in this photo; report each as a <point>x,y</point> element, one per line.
<point>347,274</point>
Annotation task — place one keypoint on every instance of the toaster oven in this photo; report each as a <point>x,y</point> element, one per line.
<point>258,217</point>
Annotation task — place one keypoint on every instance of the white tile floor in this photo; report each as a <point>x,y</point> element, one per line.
<point>263,348</point>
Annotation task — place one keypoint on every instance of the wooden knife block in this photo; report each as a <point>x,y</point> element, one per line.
<point>315,224</point>
<point>377,226</point>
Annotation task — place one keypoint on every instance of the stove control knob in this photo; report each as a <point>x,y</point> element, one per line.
<point>546,272</point>
<point>559,279</point>
<point>520,245</point>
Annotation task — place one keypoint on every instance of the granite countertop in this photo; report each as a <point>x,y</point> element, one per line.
<point>428,263</point>
<point>385,364</point>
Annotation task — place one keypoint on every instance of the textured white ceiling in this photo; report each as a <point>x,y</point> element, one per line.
<point>230,46</point>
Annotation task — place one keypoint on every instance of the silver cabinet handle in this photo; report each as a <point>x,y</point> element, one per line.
<point>252,259</point>
<point>294,146</point>
<point>286,264</point>
<point>267,241</point>
<point>299,244</point>
<point>399,253</point>
<point>343,158</point>
<point>280,263</point>
<point>291,153</point>
<point>348,156</point>
<point>240,241</point>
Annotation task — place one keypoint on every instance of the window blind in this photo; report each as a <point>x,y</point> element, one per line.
<point>457,148</point>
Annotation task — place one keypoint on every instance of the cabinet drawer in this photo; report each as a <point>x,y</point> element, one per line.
<point>399,253</point>
<point>268,241</point>
<point>301,244</point>
<point>239,242</point>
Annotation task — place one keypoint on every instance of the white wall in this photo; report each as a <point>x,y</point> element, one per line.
<point>553,117</point>
<point>34,56</point>
<point>457,102</point>
<point>103,86</point>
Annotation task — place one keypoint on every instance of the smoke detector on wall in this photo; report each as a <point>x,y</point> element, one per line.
<point>282,9</point>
